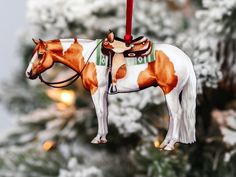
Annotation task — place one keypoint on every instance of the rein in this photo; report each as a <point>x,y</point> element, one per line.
<point>71,79</point>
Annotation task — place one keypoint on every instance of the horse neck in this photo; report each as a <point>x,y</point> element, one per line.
<point>72,54</point>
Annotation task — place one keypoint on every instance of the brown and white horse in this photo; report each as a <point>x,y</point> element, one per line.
<point>171,70</point>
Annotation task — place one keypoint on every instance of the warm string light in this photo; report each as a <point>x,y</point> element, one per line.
<point>61,106</point>
<point>64,97</point>
<point>49,145</point>
<point>156,143</point>
<point>67,97</point>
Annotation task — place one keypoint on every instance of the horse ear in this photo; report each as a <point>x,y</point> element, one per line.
<point>42,42</point>
<point>111,37</point>
<point>35,41</point>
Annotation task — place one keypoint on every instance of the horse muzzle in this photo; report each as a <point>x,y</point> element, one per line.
<point>30,76</point>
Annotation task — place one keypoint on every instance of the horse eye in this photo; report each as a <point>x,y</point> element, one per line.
<point>40,55</point>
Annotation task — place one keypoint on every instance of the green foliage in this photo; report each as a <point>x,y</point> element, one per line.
<point>23,99</point>
<point>30,163</point>
<point>211,160</point>
<point>152,162</point>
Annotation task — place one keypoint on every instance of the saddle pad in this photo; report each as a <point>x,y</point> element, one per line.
<point>102,60</point>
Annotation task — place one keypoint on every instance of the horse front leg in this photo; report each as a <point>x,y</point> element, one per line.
<point>100,103</point>
<point>105,115</point>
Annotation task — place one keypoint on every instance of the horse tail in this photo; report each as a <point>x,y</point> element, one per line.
<point>188,103</point>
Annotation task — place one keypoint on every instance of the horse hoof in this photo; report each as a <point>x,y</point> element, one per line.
<point>164,144</point>
<point>100,140</point>
<point>103,141</point>
<point>95,141</point>
<point>169,148</point>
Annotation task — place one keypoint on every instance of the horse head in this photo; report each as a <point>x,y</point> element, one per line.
<point>115,44</point>
<point>41,61</point>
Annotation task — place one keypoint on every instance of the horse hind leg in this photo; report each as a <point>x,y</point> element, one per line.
<point>169,132</point>
<point>175,111</point>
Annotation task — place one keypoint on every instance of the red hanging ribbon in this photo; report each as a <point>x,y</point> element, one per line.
<point>129,14</point>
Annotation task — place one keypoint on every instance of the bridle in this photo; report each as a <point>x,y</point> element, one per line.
<point>71,79</point>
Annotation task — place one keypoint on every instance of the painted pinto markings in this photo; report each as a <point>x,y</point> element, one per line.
<point>76,59</point>
<point>74,56</point>
<point>160,72</point>
<point>147,77</point>
<point>89,76</point>
<point>121,73</point>
<point>55,46</point>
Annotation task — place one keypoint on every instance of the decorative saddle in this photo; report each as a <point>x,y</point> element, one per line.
<point>139,47</point>
<point>117,50</point>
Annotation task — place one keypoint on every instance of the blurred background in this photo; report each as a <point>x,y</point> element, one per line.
<point>47,132</point>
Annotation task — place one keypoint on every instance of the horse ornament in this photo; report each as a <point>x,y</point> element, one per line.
<point>110,66</point>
